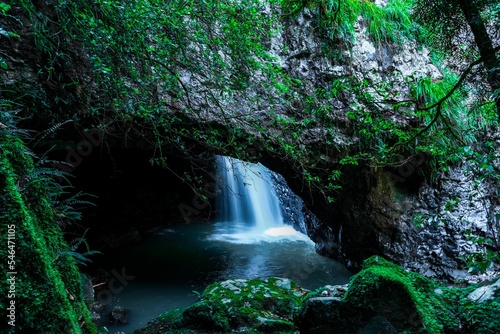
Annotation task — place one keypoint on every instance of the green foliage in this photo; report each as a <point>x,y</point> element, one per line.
<point>469,28</point>
<point>475,317</point>
<point>157,41</point>
<point>254,306</point>
<point>449,121</point>
<point>4,9</point>
<point>391,23</point>
<point>53,290</point>
<point>386,282</point>
<point>147,60</point>
<point>479,262</point>
<point>444,21</point>
<point>80,257</point>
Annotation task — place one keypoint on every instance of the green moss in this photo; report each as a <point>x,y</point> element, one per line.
<point>48,295</point>
<point>255,306</point>
<point>474,317</point>
<point>407,299</point>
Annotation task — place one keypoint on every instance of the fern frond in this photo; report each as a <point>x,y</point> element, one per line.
<point>75,199</point>
<point>45,133</point>
<point>80,259</point>
<point>21,133</point>
<point>46,173</point>
<point>30,153</point>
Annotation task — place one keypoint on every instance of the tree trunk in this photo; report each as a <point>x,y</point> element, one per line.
<point>485,45</point>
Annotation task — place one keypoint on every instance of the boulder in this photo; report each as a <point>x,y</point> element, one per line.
<point>382,298</point>
<point>379,325</point>
<point>118,314</point>
<point>485,293</point>
<point>257,306</point>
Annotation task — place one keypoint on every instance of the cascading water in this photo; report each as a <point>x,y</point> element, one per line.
<point>245,194</point>
<point>248,209</point>
<point>249,240</point>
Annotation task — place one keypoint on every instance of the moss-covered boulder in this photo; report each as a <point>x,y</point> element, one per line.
<point>250,306</point>
<point>477,307</point>
<point>385,298</point>
<point>382,298</point>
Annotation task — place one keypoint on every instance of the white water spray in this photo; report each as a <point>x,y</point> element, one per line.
<point>248,209</point>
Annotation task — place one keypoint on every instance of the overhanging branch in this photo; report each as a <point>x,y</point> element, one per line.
<point>439,104</point>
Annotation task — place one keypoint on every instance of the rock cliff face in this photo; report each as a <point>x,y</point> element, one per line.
<point>436,234</point>
<point>425,227</point>
<point>396,213</point>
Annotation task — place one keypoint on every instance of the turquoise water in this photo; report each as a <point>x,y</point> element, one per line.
<point>249,240</point>
<point>170,264</point>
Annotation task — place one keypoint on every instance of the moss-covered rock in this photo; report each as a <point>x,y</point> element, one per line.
<point>385,298</point>
<point>408,300</point>
<point>381,299</point>
<point>250,306</point>
<point>48,293</point>
<point>382,295</point>
<point>476,315</point>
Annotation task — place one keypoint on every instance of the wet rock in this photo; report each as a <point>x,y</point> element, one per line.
<point>334,290</point>
<point>87,290</point>
<point>382,298</point>
<point>118,314</point>
<point>485,293</point>
<point>284,283</point>
<point>259,306</point>
<point>379,325</point>
<point>95,316</point>
<point>428,229</point>
<point>98,307</point>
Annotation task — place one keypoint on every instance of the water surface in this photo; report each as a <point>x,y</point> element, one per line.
<point>250,239</point>
<point>173,262</point>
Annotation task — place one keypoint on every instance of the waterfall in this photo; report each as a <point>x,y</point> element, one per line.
<point>248,208</point>
<point>245,194</point>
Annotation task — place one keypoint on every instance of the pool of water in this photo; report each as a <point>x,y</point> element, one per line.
<point>164,270</point>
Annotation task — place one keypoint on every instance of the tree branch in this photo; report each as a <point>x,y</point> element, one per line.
<point>439,104</point>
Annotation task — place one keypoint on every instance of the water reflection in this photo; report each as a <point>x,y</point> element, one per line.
<point>173,262</point>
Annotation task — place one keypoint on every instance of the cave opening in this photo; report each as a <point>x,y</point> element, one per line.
<point>161,240</point>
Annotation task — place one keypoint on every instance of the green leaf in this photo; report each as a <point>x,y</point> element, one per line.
<point>4,8</point>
